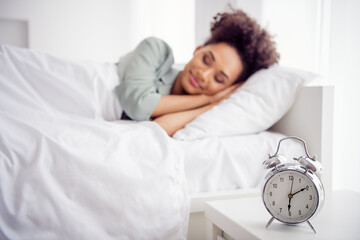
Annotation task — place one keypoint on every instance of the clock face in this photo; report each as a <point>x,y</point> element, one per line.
<point>290,196</point>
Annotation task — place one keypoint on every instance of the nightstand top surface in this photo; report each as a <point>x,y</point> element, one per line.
<point>339,218</point>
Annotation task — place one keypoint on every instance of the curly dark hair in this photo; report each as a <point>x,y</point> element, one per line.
<point>254,44</point>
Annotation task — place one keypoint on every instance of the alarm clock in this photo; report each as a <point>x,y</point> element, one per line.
<point>292,192</point>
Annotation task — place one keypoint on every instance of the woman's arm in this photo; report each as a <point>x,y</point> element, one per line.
<point>175,121</point>
<point>179,103</point>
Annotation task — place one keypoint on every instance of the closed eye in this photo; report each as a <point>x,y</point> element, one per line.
<point>207,59</point>
<point>219,80</point>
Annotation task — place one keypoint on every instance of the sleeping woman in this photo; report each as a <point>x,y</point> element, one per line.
<point>151,89</point>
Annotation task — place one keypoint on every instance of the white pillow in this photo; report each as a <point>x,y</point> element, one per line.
<point>258,104</point>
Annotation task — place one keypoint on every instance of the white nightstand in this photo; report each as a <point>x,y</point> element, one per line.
<point>246,219</point>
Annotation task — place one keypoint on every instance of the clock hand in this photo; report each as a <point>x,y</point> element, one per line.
<point>292,183</point>
<point>300,190</point>
<point>290,195</point>
<point>289,206</point>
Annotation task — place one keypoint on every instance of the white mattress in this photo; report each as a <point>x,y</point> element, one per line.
<point>60,140</point>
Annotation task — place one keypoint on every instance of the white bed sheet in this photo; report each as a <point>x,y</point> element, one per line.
<point>227,163</point>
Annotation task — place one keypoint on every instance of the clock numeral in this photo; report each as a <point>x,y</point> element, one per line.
<point>289,213</point>
<point>270,193</point>
<point>280,209</point>
<point>307,188</point>
<point>274,185</point>
<point>299,212</point>
<point>299,180</point>
<point>310,197</point>
<point>273,203</point>
<point>307,206</point>
<point>281,179</point>
<point>291,178</point>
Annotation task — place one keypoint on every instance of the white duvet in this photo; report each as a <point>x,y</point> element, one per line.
<point>66,172</point>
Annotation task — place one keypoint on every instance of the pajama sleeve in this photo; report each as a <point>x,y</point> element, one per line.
<point>139,70</point>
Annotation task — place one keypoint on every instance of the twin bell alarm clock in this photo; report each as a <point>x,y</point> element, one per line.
<point>292,192</point>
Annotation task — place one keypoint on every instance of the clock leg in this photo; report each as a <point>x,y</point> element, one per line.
<point>270,221</point>
<point>311,226</point>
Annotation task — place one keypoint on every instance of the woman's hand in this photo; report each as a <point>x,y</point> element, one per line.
<point>173,122</point>
<point>225,93</point>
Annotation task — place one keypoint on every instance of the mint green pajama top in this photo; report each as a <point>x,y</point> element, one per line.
<point>145,74</point>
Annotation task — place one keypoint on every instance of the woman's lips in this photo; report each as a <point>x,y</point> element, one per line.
<point>194,81</point>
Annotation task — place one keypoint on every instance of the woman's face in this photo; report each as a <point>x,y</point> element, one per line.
<point>213,68</point>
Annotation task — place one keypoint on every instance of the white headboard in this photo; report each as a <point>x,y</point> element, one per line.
<point>311,118</point>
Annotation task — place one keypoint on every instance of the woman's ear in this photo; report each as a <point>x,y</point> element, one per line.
<point>198,48</point>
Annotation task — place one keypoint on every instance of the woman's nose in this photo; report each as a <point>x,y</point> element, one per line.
<point>205,75</point>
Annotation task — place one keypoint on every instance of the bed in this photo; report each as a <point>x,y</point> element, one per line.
<point>70,170</point>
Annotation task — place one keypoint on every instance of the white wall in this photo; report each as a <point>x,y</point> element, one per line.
<point>103,30</point>
<point>344,73</point>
